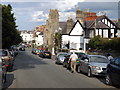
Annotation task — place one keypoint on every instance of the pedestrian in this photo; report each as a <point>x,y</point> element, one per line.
<point>73,59</point>
<point>109,56</point>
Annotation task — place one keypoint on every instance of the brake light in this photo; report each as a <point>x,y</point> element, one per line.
<point>6,65</point>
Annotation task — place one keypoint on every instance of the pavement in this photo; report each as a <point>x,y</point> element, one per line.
<point>31,71</point>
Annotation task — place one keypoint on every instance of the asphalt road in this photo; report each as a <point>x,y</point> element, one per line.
<point>31,71</point>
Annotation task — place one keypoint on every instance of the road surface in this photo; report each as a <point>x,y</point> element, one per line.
<point>31,71</point>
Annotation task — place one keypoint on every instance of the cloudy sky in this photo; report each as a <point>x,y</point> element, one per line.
<point>30,13</point>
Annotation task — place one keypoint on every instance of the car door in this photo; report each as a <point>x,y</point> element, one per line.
<point>84,65</point>
<point>117,70</point>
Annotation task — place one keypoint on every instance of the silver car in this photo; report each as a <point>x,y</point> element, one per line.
<point>93,65</point>
<point>60,57</point>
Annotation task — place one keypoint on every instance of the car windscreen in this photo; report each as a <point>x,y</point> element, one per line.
<point>98,59</point>
<point>80,55</point>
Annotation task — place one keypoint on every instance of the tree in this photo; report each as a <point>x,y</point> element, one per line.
<point>95,43</point>
<point>10,35</point>
<point>58,40</point>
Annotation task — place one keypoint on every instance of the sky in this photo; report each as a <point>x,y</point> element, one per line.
<point>32,13</point>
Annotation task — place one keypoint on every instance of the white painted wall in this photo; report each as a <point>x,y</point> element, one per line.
<point>118,33</point>
<point>76,42</point>
<point>78,30</point>
<point>26,37</point>
<point>39,40</point>
<point>112,31</point>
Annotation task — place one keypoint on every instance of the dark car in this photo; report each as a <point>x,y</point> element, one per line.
<point>113,72</point>
<point>36,51</point>
<point>45,54</point>
<point>22,48</point>
<point>80,56</point>
<point>33,51</point>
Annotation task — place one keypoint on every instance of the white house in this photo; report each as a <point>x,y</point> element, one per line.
<point>83,31</point>
<point>27,36</point>
<point>39,38</point>
<point>74,39</point>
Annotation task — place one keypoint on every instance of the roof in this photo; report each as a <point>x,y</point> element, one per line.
<point>91,18</point>
<point>99,24</point>
<point>89,23</point>
<point>26,31</point>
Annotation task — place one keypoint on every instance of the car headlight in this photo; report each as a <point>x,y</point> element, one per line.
<point>96,67</point>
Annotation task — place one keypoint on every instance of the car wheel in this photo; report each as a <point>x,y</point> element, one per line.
<point>108,80</point>
<point>89,73</point>
<point>79,69</point>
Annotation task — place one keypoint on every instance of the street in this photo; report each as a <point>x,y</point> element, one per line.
<point>31,71</point>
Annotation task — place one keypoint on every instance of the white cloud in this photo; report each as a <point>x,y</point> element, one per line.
<point>59,0</point>
<point>67,4</point>
<point>64,15</point>
<point>39,16</point>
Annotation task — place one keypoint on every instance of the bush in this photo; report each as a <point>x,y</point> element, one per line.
<point>98,43</point>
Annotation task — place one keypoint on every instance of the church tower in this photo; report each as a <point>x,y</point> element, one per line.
<point>70,24</point>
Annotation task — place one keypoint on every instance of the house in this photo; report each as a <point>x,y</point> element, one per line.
<point>87,26</point>
<point>27,36</point>
<point>38,38</point>
<point>73,38</point>
<point>75,34</point>
<point>38,35</point>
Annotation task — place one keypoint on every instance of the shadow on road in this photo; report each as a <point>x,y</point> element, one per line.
<point>26,60</point>
<point>10,79</point>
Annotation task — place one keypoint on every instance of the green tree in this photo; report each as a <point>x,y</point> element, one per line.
<point>58,40</point>
<point>10,34</point>
<point>95,43</point>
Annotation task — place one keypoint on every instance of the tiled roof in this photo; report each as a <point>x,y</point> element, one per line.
<point>91,18</point>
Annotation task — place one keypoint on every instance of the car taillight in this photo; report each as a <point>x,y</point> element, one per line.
<point>6,65</point>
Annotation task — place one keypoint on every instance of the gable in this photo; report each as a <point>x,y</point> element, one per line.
<point>77,29</point>
<point>108,22</point>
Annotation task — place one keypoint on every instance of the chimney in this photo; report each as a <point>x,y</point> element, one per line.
<point>87,10</point>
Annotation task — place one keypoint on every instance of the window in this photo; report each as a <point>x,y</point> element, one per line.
<point>105,33</point>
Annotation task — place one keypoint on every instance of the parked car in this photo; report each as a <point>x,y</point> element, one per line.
<point>60,57</point>
<point>7,58</point>
<point>113,72</point>
<point>22,48</point>
<point>80,56</point>
<point>33,51</point>
<point>45,54</point>
<point>93,65</point>
<point>36,51</point>
<point>2,73</point>
<point>3,70</point>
